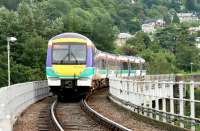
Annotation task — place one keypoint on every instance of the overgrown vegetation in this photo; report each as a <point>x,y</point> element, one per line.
<point>33,22</point>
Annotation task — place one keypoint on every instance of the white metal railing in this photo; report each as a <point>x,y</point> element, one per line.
<point>173,102</point>
<point>16,98</point>
<point>160,77</point>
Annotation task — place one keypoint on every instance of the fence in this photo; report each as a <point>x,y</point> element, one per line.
<point>176,103</point>
<point>16,98</point>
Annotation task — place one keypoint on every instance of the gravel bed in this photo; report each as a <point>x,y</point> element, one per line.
<point>72,117</point>
<point>29,118</point>
<point>102,105</point>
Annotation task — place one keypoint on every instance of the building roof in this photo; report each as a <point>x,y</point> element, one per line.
<point>152,21</point>
<point>186,14</point>
<point>124,35</point>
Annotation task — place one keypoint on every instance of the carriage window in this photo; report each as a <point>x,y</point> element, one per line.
<point>125,66</point>
<point>133,66</point>
<point>103,64</point>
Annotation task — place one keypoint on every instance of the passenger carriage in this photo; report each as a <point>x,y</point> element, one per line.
<point>74,65</point>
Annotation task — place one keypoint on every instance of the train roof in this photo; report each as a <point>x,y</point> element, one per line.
<point>69,35</point>
<point>115,57</point>
<point>73,35</point>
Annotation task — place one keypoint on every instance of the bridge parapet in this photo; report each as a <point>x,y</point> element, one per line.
<point>16,98</point>
<point>177,103</point>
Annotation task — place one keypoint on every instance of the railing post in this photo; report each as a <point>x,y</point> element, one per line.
<point>171,99</point>
<point>133,92</point>
<point>192,103</point>
<point>136,93</point>
<point>157,99</point>
<point>150,93</point>
<point>181,105</point>
<point>128,84</point>
<point>140,96</point>
<point>145,88</point>
<point>164,101</point>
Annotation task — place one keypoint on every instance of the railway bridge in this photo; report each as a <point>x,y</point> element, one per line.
<point>160,98</point>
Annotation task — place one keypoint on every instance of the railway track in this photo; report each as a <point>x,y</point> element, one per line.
<point>79,118</point>
<point>72,117</point>
<point>57,116</point>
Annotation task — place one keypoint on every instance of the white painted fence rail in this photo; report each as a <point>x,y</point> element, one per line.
<point>16,98</point>
<point>160,77</point>
<point>173,102</point>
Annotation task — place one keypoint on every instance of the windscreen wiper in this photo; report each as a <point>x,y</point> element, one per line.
<point>62,60</point>
<point>74,58</point>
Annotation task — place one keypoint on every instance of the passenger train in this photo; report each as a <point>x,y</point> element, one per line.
<point>74,66</point>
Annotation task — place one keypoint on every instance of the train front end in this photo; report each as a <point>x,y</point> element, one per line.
<point>69,65</point>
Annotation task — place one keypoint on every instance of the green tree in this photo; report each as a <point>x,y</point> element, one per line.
<point>185,55</point>
<point>33,54</point>
<point>56,8</point>
<point>169,37</point>
<point>134,26</point>
<point>167,19</point>
<point>10,4</point>
<point>21,73</point>
<point>190,4</point>
<point>3,69</point>
<point>175,19</point>
<point>8,24</point>
<point>79,20</point>
<point>103,33</point>
<point>175,5</point>
<point>162,63</point>
<point>137,44</point>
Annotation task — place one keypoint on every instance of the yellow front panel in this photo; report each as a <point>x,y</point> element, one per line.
<point>68,70</point>
<point>60,40</point>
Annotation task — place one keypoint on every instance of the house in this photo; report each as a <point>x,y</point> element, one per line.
<point>187,17</point>
<point>150,26</point>
<point>122,38</point>
<point>197,39</point>
<point>198,45</point>
<point>194,29</point>
<point>133,1</point>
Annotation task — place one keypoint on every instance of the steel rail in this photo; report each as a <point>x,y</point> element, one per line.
<point>54,117</point>
<point>106,121</point>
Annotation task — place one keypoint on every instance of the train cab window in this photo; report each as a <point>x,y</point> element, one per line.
<point>69,53</point>
<point>59,51</point>
<point>78,53</point>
